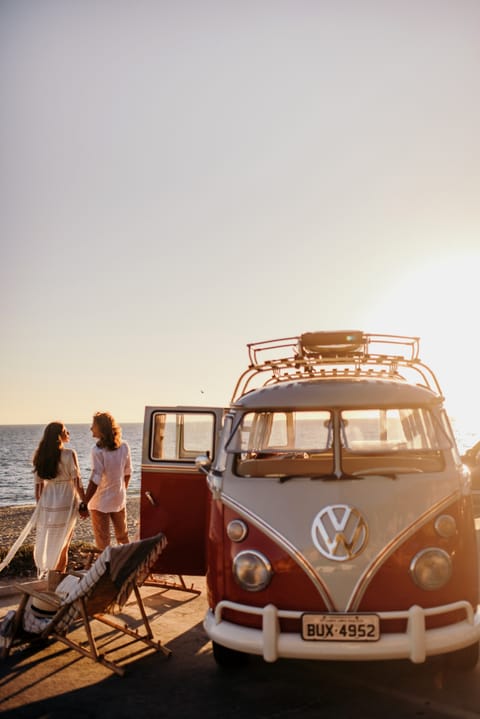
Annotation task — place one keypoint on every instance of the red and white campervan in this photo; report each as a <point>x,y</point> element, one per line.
<point>328,506</point>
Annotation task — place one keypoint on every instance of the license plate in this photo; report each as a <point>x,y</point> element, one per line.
<point>341,627</point>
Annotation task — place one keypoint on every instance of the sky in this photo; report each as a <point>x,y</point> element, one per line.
<point>178,179</point>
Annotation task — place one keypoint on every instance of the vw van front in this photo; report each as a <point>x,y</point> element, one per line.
<point>340,522</point>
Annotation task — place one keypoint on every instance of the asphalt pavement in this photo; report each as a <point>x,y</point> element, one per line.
<point>54,681</point>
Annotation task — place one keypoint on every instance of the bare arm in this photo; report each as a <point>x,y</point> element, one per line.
<point>128,467</point>
<point>91,489</point>
<point>38,490</point>
<point>80,490</point>
<point>78,480</point>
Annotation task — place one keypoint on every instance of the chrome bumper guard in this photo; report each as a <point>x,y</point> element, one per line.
<point>416,643</point>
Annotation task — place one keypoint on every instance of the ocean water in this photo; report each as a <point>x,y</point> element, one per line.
<point>19,442</point>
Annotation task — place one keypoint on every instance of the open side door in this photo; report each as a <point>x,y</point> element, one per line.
<point>175,498</point>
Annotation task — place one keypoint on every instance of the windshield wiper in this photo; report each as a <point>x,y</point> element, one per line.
<point>387,473</point>
<point>332,477</point>
<point>323,477</point>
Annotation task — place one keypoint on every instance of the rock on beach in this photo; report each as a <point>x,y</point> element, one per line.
<point>14,518</point>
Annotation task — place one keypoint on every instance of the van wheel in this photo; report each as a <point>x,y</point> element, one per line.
<point>463,660</point>
<point>228,658</point>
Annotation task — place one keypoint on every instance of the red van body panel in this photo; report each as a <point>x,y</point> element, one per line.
<point>180,511</point>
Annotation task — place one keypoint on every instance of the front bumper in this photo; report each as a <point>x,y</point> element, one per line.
<point>416,643</point>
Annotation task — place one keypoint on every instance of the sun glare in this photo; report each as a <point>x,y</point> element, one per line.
<point>436,302</point>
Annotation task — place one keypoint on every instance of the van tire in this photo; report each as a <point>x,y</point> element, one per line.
<point>228,658</point>
<point>463,660</point>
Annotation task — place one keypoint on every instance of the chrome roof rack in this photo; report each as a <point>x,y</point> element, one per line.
<point>317,355</point>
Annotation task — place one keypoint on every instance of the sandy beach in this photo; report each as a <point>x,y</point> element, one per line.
<point>13,519</point>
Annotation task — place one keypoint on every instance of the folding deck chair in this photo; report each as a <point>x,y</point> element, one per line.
<point>81,598</point>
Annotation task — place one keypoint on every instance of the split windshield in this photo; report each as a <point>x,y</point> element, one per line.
<point>283,443</point>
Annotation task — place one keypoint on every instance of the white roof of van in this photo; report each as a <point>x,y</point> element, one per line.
<point>338,392</point>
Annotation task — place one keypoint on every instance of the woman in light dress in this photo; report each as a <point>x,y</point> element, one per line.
<point>58,491</point>
<point>59,495</point>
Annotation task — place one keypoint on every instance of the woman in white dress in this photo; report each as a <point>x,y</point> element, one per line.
<point>58,491</point>
<point>58,487</point>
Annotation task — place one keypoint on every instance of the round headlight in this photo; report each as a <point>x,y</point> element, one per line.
<point>446,526</point>
<point>431,568</point>
<point>252,571</point>
<point>237,530</point>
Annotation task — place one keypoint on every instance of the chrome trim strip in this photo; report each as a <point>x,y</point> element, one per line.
<point>171,469</point>
<point>289,548</point>
<point>381,558</point>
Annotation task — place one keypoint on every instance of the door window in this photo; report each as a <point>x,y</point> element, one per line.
<point>181,437</point>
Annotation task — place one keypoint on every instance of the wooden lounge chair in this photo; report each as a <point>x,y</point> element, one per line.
<point>82,597</point>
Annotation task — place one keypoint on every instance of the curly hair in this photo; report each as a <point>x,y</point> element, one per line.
<point>111,431</point>
<point>47,455</point>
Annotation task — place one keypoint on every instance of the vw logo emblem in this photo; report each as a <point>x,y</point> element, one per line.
<point>339,532</point>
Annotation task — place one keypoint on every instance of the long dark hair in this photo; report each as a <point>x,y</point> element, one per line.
<point>111,431</point>
<point>47,454</point>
